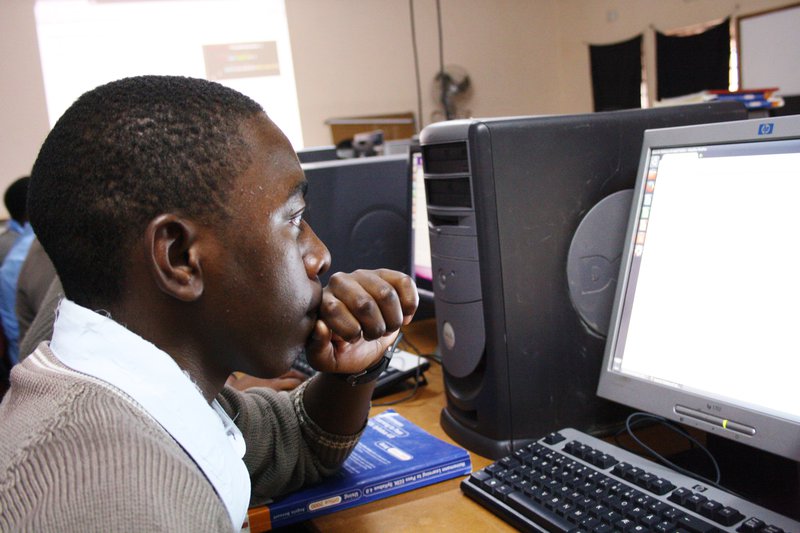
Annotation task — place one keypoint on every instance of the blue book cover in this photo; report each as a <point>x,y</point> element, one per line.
<point>393,456</point>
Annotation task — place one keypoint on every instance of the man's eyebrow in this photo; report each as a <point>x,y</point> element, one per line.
<point>300,188</point>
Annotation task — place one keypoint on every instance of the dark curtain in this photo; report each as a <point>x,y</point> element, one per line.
<point>694,63</point>
<point>617,74</point>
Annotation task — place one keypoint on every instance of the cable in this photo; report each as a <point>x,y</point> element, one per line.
<point>417,376</point>
<point>441,40</point>
<point>416,64</point>
<point>413,349</point>
<point>666,423</point>
<point>411,394</point>
<point>441,76</point>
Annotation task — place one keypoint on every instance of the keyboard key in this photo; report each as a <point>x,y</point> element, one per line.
<point>665,527</point>
<point>576,516</point>
<point>509,462</point>
<point>543,517</point>
<point>751,525</point>
<point>694,502</point>
<point>624,525</point>
<point>657,507</point>
<point>672,514</point>
<point>495,468</point>
<point>606,461</point>
<point>590,523</point>
<point>503,490</point>
<point>611,517</point>
<point>644,479</point>
<point>695,525</point>
<point>635,513</point>
<point>679,495</point>
<point>661,486</point>
<point>650,520</point>
<point>620,468</point>
<point>727,516</point>
<point>632,473</point>
<point>480,475</point>
<point>554,438</point>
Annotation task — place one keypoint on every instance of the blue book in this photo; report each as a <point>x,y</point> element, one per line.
<point>393,456</point>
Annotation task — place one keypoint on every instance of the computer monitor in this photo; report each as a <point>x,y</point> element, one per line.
<point>422,243</point>
<point>361,209</point>
<point>704,324</point>
<point>315,154</point>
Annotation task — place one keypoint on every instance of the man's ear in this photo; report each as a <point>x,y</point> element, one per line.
<point>173,257</point>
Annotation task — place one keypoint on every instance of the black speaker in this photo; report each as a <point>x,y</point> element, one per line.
<point>361,209</point>
<point>522,292</point>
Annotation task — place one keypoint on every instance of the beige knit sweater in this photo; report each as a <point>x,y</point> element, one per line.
<point>79,455</point>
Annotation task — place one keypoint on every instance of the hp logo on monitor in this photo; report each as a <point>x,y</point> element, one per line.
<point>766,128</point>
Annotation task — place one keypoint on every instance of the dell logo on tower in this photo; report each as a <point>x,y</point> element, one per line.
<point>766,128</point>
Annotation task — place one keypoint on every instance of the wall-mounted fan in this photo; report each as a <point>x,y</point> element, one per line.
<point>452,87</point>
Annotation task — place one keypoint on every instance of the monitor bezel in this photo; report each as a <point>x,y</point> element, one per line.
<point>773,434</point>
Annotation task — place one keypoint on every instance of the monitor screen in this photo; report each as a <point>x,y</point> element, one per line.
<point>704,325</point>
<point>419,209</point>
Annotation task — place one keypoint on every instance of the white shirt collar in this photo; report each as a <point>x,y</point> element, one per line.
<point>96,345</point>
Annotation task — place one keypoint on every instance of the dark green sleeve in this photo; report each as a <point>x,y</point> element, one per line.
<point>285,449</point>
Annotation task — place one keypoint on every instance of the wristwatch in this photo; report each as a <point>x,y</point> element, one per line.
<point>373,372</point>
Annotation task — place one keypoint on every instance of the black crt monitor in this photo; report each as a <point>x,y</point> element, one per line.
<point>315,154</point>
<point>361,209</point>
<point>704,324</point>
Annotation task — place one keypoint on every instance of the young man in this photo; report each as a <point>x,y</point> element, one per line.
<point>172,210</point>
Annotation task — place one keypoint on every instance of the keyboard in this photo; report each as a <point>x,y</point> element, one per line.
<point>403,367</point>
<point>571,481</point>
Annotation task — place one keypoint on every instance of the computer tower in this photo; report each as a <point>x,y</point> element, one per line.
<point>361,209</point>
<point>527,217</point>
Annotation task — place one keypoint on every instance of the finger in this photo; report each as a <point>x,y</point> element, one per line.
<point>355,356</point>
<point>319,348</point>
<point>380,301</point>
<point>406,289</point>
<point>350,307</point>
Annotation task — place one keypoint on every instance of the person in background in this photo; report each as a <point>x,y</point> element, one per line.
<point>12,263</point>
<point>35,277</point>
<point>188,260</point>
<point>15,199</point>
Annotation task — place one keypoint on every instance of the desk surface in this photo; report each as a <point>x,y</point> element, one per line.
<point>441,506</point>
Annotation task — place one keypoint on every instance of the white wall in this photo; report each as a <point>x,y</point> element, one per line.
<point>585,22</point>
<point>354,57</point>
<point>23,112</point>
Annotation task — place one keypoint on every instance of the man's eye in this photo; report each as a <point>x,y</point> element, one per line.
<point>296,219</point>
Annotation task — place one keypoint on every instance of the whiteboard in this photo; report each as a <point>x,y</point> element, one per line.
<point>769,50</point>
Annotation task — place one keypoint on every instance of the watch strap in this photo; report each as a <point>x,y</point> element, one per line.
<point>372,373</point>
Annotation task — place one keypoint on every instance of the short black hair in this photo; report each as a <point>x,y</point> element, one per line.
<point>16,198</point>
<point>122,154</point>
